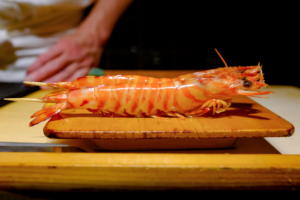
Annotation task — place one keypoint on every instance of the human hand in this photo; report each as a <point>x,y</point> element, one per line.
<point>72,57</point>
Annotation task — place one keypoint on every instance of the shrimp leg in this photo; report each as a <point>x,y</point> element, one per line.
<point>217,105</point>
<point>47,113</point>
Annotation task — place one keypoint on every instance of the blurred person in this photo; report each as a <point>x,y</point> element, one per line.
<point>50,37</point>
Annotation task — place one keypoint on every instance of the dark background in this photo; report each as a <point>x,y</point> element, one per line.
<point>181,35</point>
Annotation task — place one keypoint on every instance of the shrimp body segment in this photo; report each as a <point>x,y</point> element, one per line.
<point>176,98</point>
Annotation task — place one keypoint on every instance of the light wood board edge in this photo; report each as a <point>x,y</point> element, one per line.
<point>150,171</point>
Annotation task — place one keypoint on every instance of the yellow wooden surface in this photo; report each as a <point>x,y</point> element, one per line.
<point>67,172</point>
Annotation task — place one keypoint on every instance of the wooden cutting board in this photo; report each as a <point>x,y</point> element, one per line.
<point>244,119</point>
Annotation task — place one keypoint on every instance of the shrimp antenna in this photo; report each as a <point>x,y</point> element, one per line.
<point>221,57</point>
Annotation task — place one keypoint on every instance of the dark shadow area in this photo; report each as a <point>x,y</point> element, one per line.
<point>279,192</point>
<point>157,35</point>
<point>244,146</point>
<point>239,109</point>
<point>241,113</point>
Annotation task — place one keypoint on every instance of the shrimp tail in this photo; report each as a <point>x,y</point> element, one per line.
<point>59,98</point>
<point>48,112</point>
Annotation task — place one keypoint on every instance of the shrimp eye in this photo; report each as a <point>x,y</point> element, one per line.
<point>247,83</point>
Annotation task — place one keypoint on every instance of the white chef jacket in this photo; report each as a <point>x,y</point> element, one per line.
<point>29,27</point>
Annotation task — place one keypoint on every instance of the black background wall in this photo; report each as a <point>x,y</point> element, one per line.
<point>177,35</point>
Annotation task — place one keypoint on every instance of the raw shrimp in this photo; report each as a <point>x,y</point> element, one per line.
<point>176,98</point>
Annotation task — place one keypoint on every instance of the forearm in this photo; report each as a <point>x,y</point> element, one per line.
<point>99,24</point>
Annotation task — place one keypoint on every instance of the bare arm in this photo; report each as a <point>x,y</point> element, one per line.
<point>75,54</point>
